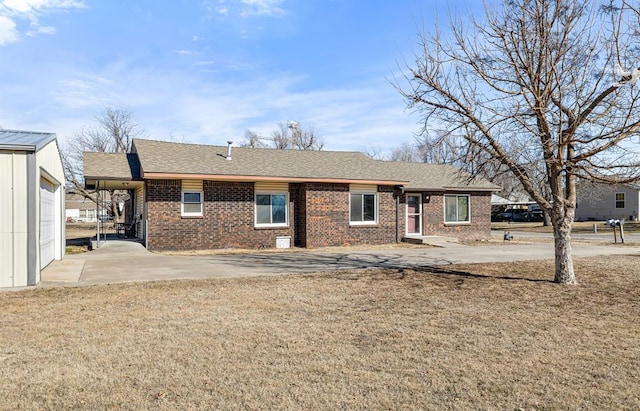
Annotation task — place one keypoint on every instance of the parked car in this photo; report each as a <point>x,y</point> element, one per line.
<point>515,214</point>
<point>535,213</point>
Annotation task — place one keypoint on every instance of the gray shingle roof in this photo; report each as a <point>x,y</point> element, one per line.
<point>24,140</point>
<point>110,166</point>
<point>161,159</point>
<point>434,177</point>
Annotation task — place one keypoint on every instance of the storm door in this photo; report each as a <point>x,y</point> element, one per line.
<point>414,214</point>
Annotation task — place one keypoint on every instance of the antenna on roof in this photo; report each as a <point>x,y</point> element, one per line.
<point>228,157</point>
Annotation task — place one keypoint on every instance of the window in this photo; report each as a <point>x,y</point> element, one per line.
<point>192,203</point>
<point>456,209</point>
<point>619,200</point>
<point>364,208</point>
<point>271,209</point>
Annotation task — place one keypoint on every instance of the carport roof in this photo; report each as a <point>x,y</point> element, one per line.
<point>116,167</point>
<point>31,141</point>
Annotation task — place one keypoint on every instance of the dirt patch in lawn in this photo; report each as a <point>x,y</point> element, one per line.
<point>491,336</point>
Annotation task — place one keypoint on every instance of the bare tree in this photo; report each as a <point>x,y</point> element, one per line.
<point>252,140</point>
<point>374,152</point>
<point>407,152</point>
<point>113,133</point>
<point>292,136</point>
<point>535,84</point>
<point>287,136</point>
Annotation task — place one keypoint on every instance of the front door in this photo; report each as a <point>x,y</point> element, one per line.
<point>414,214</point>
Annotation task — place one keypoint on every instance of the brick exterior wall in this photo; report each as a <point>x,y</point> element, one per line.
<point>322,217</point>
<point>318,217</point>
<point>433,217</point>
<point>227,220</point>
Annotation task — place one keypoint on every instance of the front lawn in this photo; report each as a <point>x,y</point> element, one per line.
<point>495,336</point>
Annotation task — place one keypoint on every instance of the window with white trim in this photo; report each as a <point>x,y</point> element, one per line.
<point>191,203</point>
<point>619,200</point>
<point>272,209</point>
<point>363,208</point>
<point>456,208</point>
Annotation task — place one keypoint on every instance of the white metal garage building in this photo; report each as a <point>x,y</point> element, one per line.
<point>31,206</point>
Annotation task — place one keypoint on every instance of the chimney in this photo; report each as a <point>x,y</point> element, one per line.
<point>228,157</point>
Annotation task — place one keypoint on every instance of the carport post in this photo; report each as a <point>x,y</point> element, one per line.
<point>98,214</point>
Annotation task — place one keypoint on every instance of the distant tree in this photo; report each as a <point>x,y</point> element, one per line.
<point>537,84</point>
<point>113,133</point>
<point>252,140</point>
<point>407,152</point>
<point>287,136</point>
<point>292,136</point>
<point>374,152</point>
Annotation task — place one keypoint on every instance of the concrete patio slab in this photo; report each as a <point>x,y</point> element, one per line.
<point>125,261</point>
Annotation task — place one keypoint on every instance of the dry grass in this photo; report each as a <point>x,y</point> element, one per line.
<point>494,336</point>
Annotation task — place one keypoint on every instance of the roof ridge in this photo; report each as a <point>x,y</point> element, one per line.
<point>249,148</point>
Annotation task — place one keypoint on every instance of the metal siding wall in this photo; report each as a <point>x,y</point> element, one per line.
<point>6,220</point>
<point>13,219</point>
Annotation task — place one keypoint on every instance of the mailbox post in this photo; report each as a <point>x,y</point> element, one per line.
<point>617,223</point>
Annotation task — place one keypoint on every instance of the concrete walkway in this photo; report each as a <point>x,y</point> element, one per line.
<point>124,261</point>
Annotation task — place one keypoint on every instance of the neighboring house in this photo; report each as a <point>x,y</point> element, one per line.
<point>598,201</point>
<point>31,206</point>
<point>187,196</point>
<point>81,209</point>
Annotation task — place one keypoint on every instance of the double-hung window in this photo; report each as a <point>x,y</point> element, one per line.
<point>456,209</point>
<point>619,200</point>
<point>363,208</point>
<point>192,203</point>
<point>271,209</point>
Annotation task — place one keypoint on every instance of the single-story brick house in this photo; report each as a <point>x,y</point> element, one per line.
<point>189,196</point>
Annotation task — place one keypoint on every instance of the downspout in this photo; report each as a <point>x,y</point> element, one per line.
<point>397,194</point>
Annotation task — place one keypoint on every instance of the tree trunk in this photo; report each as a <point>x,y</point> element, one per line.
<point>564,262</point>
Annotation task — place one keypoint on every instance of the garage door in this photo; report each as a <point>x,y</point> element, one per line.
<point>47,223</point>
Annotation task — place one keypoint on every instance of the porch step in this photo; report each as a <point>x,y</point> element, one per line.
<point>433,240</point>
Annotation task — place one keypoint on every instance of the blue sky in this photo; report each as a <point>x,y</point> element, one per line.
<point>206,70</point>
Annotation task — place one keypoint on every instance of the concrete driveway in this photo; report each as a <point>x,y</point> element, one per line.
<point>124,261</point>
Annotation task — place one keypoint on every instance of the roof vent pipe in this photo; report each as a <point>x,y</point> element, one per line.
<point>228,157</point>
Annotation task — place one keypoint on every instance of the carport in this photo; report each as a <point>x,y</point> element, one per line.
<point>118,172</point>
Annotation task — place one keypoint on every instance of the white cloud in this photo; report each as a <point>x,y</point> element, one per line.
<point>12,11</point>
<point>207,108</point>
<point>262,8</point>
<point>30,6</point>
<point>8,32</point>
<point>41,30</point>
